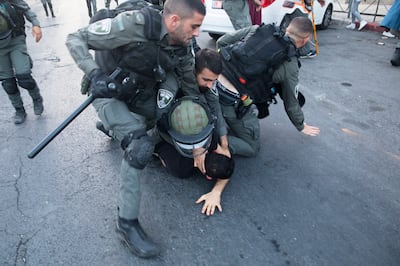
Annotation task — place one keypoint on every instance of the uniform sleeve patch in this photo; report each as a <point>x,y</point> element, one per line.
<point>164,98</point>
<point>101,27</point>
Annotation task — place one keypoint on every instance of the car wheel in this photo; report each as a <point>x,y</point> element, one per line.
<point>215,36</point>
<point>327,18</point>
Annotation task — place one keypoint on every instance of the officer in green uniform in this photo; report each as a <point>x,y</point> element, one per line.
<point>244,139</point>
<point>155,54</point>
<point>15,62</point>
<point>208,67</point>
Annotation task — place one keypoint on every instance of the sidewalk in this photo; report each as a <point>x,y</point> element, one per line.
<point>371,26</point>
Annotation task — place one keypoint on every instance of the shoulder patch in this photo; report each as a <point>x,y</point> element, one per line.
<point>164,98</point>
<point>101,27</point>
<point>139,18</point>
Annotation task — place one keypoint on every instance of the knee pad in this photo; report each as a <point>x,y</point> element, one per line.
<point>26,81</point>
<point>10,86</point>
<point>138,147</point>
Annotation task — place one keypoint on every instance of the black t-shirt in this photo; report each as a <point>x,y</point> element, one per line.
<point>177,164</point>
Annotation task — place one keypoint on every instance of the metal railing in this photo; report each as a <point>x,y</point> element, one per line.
<point>374,8</point>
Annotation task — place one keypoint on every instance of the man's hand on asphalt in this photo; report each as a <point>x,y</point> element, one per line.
<point>211,200</point>
<point>310,130</point>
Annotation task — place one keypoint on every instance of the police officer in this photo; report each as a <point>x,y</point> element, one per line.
<point>208,67</point>
<point>15,62</point>
<point>190,134</point>
<point>46,3</point>
<point>153,51</point>
<point>246,130</point>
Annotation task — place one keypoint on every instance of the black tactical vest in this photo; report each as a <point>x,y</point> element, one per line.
<point>14,16</point>
<point>249,65</point>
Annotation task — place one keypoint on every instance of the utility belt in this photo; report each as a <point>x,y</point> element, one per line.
<point>227,97</point>
<point>133,86</point>
<point>242,104</point>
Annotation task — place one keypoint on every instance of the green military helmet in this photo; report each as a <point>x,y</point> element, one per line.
<point>190,125</point>
<point>5,29</point>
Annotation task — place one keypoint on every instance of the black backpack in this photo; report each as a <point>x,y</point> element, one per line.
<point>110,59</point>
<point>126,6</point>
<point>14,15</point>
<point>249,64</point>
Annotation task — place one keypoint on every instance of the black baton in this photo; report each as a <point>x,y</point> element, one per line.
<point>41,145</point>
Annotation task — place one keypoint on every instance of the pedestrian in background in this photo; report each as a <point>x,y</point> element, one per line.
<point>355,15</point>
<point>92,7</point>
<point>107,3</point>
<point>15,62</point>
<point>48,3</point>
<point>391,22</point>
<point>255,7</point>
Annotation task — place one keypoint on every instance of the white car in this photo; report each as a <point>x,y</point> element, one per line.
<point>279,12</point>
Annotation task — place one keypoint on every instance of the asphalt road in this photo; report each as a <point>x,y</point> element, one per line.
<point>328,200</point>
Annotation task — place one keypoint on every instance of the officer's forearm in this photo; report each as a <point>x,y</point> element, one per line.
<point>80,52</point>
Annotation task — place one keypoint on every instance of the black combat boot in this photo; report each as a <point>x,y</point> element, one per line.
<point>136,239</point>
<point>20,114</point>
<point>37,101</point>
<point>100,126</point>
<point>396,57</point>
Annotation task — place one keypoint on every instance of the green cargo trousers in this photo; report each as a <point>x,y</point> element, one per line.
<point>243,134</point>
<point>117,118</point>
<point>14,58</point>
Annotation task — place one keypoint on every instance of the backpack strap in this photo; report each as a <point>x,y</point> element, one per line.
<point>15,17</point>
<point>153,21</point>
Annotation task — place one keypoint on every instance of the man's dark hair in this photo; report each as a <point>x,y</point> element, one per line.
<point>219,166</point>
<point>207,58</point>
<point>184,8</point>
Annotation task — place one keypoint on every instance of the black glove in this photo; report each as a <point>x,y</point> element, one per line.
<point>102,86</point>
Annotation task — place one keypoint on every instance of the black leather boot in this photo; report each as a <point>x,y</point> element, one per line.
<point>20,114</point>
<point>37,101</point>
<point>132,234</point>
<point>100,126</point>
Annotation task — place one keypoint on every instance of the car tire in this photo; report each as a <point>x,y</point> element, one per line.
<point>327,18</point>
<point>215,36</point>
